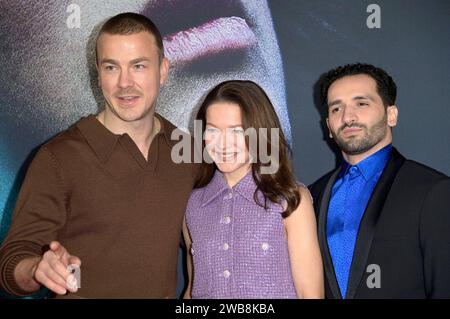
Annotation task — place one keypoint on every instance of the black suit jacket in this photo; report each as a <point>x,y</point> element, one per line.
<point>405,231</point>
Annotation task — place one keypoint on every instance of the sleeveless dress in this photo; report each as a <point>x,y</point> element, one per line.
<point>239,248</point>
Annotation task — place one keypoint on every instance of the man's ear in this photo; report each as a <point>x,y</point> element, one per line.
<point>163,71</point>
<point>392,114</point>
<point>328,126</point>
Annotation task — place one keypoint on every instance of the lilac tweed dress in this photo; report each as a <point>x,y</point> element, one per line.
<point>239,249</point>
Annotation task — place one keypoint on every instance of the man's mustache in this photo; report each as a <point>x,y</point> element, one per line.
<point>128,92</point>
<point>353,125</point>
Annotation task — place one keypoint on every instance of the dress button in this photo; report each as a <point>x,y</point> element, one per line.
<point>226,273</point>
<point>227,220</point>
<point>265,246</point>
<point>226,246</point>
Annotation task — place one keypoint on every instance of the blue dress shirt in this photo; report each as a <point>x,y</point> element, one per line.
<point>349,198</point>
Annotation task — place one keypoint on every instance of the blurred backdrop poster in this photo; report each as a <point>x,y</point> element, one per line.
<point>48,70</point>
<point>48,78</point>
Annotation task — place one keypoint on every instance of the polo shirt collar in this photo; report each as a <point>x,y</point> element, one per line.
<point>103,141</point>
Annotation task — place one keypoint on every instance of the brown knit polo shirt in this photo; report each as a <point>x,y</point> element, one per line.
<point>121,215</point>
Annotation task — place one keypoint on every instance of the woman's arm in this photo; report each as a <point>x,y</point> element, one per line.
<point>188,242</point>
<point>304,251</point>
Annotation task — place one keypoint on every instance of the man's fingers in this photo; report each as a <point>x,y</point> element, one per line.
<point>56,270</point>
<point>42,278</point>
<point>61,252</point>
<point>74,260</point>
<point>56,277</point>
<point>58,264</point>
<point>58,249</point>
<point>65,258</point>
<point>59,268</point>
<point>54,245</point>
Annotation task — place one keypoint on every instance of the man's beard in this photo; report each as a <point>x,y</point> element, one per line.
<point>358,145</point>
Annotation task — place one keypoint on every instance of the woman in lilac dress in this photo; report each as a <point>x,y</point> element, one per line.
<point>249,225</point>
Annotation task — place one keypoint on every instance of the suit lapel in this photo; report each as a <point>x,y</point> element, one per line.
<point>324,201</point>
<point>368,223</point>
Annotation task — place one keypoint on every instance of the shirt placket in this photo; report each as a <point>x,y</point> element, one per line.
<point>226,248</point>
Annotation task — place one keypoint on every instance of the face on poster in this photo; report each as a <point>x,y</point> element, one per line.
<point>48,70</point>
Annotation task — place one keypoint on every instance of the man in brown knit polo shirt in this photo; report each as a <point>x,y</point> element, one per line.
<point>105,194</point>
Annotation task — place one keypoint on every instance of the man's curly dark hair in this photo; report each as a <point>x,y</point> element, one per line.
<point>386,87</point>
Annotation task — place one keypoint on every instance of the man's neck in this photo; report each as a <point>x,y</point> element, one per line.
<point>355,159</point>
<point>141,132</point>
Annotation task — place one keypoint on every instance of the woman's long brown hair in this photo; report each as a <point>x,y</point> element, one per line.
<point>257,112</point>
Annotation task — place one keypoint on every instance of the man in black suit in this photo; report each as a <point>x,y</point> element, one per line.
<point>383,220</point>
